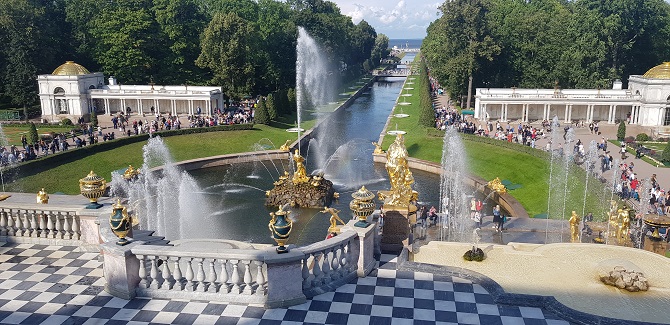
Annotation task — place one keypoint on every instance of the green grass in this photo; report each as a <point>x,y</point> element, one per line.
<point>14,133</point>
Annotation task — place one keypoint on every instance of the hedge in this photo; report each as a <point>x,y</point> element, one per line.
<point>39,165</point>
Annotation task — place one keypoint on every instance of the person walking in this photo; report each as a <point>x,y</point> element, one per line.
<point>497,218</point>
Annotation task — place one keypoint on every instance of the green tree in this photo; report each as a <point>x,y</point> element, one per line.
<point>228,48</point>
<point>94,118</point>
<point>277,33</point>
<point>380,50</point>
<point>271,105</point>
<point>261,114</point>
<point>426,113</point>
<point>292,103</point>
<point>665,156</point>
<point>621,131</point>
<point>32,134</point>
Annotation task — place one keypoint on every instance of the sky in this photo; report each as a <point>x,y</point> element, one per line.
<point>394,18</point>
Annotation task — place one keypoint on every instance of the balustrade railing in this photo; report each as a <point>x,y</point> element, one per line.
<point>328,262</point>
<point>40,223</point>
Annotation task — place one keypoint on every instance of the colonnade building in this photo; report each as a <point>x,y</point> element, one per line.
<point>646,102</point>
<point>71,91</point>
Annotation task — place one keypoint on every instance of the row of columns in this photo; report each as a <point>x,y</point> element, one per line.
<point>546,115</point>
<point>157,106</point>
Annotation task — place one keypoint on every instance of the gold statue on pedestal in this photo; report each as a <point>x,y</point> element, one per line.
<point>574,227</point>
<point>334,219</point>
<point>300,175</point>
<point>497,186</point>
<point>623,226</point>
<point>42,197</point>
<point>400,176</point>
<point>285,147</point>
<point>378,148</point>
<point>131,173</point>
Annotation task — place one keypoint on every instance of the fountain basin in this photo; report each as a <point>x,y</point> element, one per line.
<point>404,103</point>
<point>401,115</point>
<point>295,130</point>
<point>396,132</point>
<point>568,272</point>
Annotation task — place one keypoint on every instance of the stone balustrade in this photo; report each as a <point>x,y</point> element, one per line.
<point>200,270</point>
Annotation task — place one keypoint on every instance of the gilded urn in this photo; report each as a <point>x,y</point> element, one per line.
<point>362,206</point>
<point>120,222</point>
<point>131,173</point>
<point>280,227</point>
<point>92,187</point>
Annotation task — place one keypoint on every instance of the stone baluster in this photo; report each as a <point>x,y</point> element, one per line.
<point>50,224</point>
<point>201,275</point>
<point>235,277</point>
<point>58,226</point>
<point>325,267</point>
<point>247,277</point>
<point>190,285</point>
<point>25,217</point>
<point>143,272</point>
<point>223,277</point>
<point>66,226</point>
<point>260,278</point>
<point>43,224</point>
<point>316,270</point>
<point>176,274</point>
<point>33,225</point>
<point>351,262</point>
<point>344,266</point>
<point>306,282</point>
<point>211,277</point>
<point>3,222</point>
<point>76,231</point>
<point>167,275</point>
<point>335,264</point>
<point>10,224</point>
<point>155,284</point>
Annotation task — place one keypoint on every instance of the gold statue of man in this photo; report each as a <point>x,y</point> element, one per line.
<point>285,147</point>
<point>300,175</point>
<point>378,148</point>
<point>334,218</point>
<point>623,226</point>
<point>574,227</point>
<point>400,176</point>
<point>42,196</point>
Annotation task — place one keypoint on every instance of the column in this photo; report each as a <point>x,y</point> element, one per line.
<point>158,106</point>
<point>173,107</point>
<point>544,112</point>
<point>609,115</point>
<point>506,111</point>
<point>502,112</point>
<point>107,109</point>
<point>209,107</point>
<point>614,114</point>
<point>570,113</point>
<point>565,118</point>
<point>633,118</point>
<point>190,107</point>
<point>123,105</point>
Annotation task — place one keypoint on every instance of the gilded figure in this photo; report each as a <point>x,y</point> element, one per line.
<point>42,197</point>
<point>334,219</point>
<point>400,176</point>
<point>575,220</point>
<point>300,175</point>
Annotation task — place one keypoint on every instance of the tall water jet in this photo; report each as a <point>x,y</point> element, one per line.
<point>166,201</point>
<point>568,158</point>
<point>311,77</point>
<point>453,201</point>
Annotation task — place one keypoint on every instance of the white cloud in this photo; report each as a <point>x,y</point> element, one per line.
<point>397,19</point>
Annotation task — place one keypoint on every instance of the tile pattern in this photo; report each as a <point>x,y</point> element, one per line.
<point>42,284</point>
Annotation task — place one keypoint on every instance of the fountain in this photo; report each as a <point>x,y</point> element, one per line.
<point>453,201</point>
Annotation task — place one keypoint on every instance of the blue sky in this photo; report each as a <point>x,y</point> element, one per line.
<point>395,18</point>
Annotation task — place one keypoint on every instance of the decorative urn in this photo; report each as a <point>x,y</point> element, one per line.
<point>120,222</point>
<point>280,228</point>
<point>362,206</point>
<point>42,197</point>
<point>131,173</point>
<point>92,187</point>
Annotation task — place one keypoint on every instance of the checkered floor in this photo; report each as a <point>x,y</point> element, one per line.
<point>42,284</point>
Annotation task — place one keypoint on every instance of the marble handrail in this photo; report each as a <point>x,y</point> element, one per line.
<point>329,262</point>
<point>40,222</point>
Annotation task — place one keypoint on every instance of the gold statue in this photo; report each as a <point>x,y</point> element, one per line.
<point>378,148</point>
<point>334,219</point>
<point>497,186</point>
<point>614,215</point>
<point>623,226</point>
<point>42,196</point>
<point>400,176</point>
<point>300,175</point>
<point>574,226</point>
<point>285,146</point>
<point>131,173</point>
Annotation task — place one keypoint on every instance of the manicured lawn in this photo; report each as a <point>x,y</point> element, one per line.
<point>13,133</point>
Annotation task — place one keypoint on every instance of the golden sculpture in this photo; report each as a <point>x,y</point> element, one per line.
<point>400,176</point>
<point>336,195</point>
<point>92,187</point>
<point>285,146</point>
<point>574,226</point>
<point>497,186</point>
<point>131,173</point>
<point>42,196</point>
<point>623,226</point>
<point>334,219</point>
<point>614,215</point>
<point>300,175</point>
<point>378,148</point>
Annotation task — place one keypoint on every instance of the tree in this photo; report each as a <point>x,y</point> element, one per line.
<point>228,50</point>
<point>261,114</point>
<point>271,106</point>
<point>621,131</point>
<point>32,134</point>
<point>665,156</point>
<point>380,50</point>
<point>292,103</point>
<point>94,118</point>
<point>426,111</point>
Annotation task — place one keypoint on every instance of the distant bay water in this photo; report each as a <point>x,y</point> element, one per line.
<point>405,43</point>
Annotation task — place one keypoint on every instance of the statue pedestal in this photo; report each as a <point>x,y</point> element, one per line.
<point>396,231</point>
<point>655,246</point>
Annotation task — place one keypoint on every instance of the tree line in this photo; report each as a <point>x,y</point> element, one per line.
<point>543,43</point>
<point>245,46</point>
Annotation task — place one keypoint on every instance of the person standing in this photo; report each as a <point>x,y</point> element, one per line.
<point>497,218</point>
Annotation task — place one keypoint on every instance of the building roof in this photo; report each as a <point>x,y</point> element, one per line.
<point>69,68</point>
<point>661,71</point>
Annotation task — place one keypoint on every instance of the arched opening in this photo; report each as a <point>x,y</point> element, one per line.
<point>60,103</point>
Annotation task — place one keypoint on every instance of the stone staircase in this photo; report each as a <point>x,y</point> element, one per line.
<point>148,237</point>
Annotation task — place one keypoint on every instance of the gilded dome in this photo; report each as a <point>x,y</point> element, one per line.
<point>661,71</point>
<point>69,68</point>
